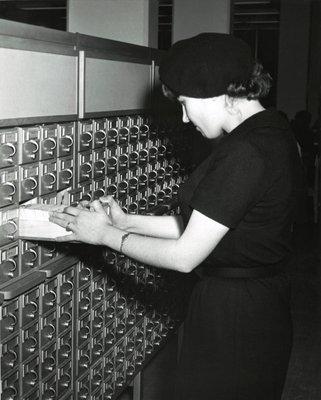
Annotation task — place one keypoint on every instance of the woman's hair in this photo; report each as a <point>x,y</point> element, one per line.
<point>169,93</point>
<point>255,88</point>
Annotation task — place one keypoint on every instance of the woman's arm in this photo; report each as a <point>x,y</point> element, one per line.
<point>170,227</point>
<point>183,254</point>
<point>166,226</point>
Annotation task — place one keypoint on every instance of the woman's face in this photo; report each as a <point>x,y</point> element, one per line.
<point>207,115</point>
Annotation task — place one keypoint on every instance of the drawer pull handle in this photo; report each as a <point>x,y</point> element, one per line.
<point>9,191</point>
<point>84,361</point>
<point>11,322</point>
<point>8,150</point>
<point>9,266</point>
<point>49,331</point>
<point>86,138</point>
<point>31,378</point>
<point>31,147</point>
<point>84,332</point>
<point>10,358</point>
<point>65,319</point>
<point>66,288</point>
<point>66,142</point>
<point>29,185</point>
<point>49,394</point>
<point>49,364</point>
<point>49,145</point>
<point>65,380</point>
<point>30,345</point>
<point>50,298</point>
<point>9,393</point>
<point>65,350</point>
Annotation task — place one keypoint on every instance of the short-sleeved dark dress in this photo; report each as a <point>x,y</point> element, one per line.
<point>238,331</point>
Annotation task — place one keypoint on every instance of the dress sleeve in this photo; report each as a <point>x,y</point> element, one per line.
<point>231,185</point>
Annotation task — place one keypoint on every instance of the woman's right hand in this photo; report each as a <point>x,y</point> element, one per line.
<point>116,215</point>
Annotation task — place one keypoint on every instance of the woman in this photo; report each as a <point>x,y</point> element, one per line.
<point>236,227</point>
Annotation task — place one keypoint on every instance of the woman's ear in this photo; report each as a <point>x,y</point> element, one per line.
<point>231,105</point>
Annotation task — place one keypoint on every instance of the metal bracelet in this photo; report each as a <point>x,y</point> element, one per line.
<point>123,240</point>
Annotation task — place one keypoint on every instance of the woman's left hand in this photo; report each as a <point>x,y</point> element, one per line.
<point>86,226</point>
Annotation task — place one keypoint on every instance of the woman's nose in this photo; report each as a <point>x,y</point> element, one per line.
<point>185,118</point>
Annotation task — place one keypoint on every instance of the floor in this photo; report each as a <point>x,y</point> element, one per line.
<point>304,375</point>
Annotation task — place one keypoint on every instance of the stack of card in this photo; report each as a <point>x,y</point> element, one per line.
<point>34,222</point>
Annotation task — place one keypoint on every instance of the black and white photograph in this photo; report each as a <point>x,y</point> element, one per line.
<point>160,199</point>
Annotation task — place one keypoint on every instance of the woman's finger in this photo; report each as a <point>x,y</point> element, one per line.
<point>61,215</point>
<point>72,211</point>
<point>84,204</point>
<point>107,200</point>
<point>67,238</point>
<point>97,206</point>
<point>70,226</point>
<point>61,219</point>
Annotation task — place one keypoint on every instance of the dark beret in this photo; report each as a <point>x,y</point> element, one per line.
<point>204,65</point>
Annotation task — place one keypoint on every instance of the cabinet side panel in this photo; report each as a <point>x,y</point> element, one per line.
<point>107,82</point>
<point>37,84</point>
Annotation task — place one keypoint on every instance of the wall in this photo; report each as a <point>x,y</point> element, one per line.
<point>293,56</point>
<point>191,17</point>
<point>314,81</point>
<point>132,21</point>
